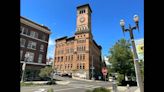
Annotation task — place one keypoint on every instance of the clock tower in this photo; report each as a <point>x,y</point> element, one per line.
<point>83,21</point>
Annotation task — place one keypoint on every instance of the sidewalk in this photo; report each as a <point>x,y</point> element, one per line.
<point>124,89</point>
<point>37,82</point>
<point>45,82</point>
<point>137,90</point>
<point>86,79</point>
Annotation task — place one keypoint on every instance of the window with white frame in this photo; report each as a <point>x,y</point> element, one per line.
<point>22,42</point>
<point>42,47</point>
<point>21,29</point>
<point>33,34</point>
<point>31,57</point>
<point>31,45</point>
<point>40,58</point>
<point>24,30</point>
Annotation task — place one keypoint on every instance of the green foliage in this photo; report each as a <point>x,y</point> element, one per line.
<point>121,58</point>
<point>120,78</point>
<point>141,63</point>
<point>88,91</point>
<point>26,84</point>
<point>51,82</point>
<point>46,72</point>
<point>101,89</point>
<point>50,90</point>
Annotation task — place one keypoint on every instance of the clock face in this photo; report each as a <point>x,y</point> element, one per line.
<point>82,19</point>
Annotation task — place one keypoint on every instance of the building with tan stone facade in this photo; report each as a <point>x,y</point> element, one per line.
<point>77,54</point>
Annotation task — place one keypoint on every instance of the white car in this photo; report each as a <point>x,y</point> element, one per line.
<point>110,79</point>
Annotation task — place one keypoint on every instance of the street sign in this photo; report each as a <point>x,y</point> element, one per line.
<point>104,71</point>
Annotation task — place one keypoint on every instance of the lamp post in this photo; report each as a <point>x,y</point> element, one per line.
<point>136,64</point>
<point>24,66</point>
<point>92,68</point>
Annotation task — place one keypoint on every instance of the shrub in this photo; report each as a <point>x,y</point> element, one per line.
<point>101,89</point>
<point>26,84</point>
<point>120,78</point>
<point>50,90</point>
<point>51,82</point>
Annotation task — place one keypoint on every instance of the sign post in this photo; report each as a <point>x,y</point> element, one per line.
<point>104,71</point>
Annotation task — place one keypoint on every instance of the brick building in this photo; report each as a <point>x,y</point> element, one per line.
<point>33,40</point>
<point>75,55</point>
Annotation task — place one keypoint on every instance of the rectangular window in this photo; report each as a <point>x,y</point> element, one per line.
<point>68,66</point>
<point>40,58</point>
<point>66,58</point>
<point>36,35</point>
<point>80,66</point>
<point>71,65</point>
<point>83,56</point>
<point>24,31</point>
<point>21,29</point>
<point>72,57</point>
<point>58,59</point>
<point>77,57</point>
<point>21,53</point>
<point>65,66</point>
<point>61,58</point>
<point>42,47</point>
<point>83,66</point>
<point>22,42</point>
<point>33,34</point>
<point>31,45</point>
<point>77,66</point>
<point>43,37</point>
<point>31,57</point>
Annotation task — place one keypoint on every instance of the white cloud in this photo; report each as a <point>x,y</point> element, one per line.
<point>50,53</point>
<point>51,42</point>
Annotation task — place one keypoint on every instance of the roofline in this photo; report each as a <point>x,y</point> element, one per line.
<point>97,44</point>
<point>61,38</point>
<point>70,38</point>
<point>65,37</point>
<point>84,6</point>
<point>45,27</point>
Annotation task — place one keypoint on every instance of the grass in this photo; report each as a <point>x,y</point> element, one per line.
<point>101,89</point>
<point>50,90</point>
<point>29,84</point>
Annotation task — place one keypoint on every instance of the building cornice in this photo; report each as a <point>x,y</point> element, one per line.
<point>34,25</point>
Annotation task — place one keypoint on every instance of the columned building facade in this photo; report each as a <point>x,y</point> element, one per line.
<point>79,54</point>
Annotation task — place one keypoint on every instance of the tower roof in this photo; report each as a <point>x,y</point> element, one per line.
<point>84,5</point>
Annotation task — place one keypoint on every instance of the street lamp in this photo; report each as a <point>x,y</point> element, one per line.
<point>136,64</point>
<point>92,69</point>
<point>24,66</point>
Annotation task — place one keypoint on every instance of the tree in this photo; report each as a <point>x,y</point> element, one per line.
<point>46,72</point>
<point>121,58</point>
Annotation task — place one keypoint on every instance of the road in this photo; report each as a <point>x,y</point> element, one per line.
<point>72,86</point>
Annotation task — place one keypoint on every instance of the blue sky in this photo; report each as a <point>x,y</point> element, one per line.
<point>60,17</point>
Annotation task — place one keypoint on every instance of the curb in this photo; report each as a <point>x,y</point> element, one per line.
<point>37,82</point>
<point>62,82</point>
